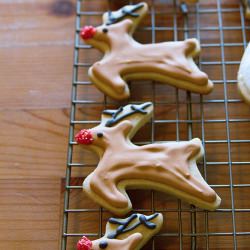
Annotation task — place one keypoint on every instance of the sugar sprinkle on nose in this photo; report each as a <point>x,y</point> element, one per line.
<point>84,137</point>
<point>87,32</point>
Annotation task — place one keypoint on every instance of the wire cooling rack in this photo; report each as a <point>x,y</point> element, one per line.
<point>221,120</point>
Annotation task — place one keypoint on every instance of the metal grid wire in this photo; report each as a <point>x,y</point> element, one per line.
<point>227,227</point>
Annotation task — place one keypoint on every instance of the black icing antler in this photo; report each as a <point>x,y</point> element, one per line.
<point>115,113</point>
<point>123,225</point>
<point>116,16</point>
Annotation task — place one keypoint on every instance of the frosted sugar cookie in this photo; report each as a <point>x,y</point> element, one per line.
<point>131,233</point>
<point>126,59</point>
<point>167,167</point>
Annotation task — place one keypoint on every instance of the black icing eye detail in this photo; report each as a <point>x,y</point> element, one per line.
<point>105,30</point>
<point>103,244</point>
<point>99,134</point>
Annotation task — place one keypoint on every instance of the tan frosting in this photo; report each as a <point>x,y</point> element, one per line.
<point>168,167</point>
<point>166,163</point>
<point>126,59</point>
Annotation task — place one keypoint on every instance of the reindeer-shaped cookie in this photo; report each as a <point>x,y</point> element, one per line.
<point>125,234</point>
<point>125,59</point>
<point>167,167</point>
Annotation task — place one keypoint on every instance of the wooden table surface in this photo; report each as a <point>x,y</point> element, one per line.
<point>36,58</point>
<point>36,54</point>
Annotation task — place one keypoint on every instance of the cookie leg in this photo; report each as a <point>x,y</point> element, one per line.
<point>106,189</point>
<point>194,148</point>
<point>192,47</point>
<point>109,81</point>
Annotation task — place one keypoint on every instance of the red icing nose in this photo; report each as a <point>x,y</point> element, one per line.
<point>84,137</point>
<point>84,244</point>
<point>87,32</point>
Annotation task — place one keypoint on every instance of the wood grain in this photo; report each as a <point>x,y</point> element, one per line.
<point>36,54</point>
<point>34,143</point>
<point>29,213</point>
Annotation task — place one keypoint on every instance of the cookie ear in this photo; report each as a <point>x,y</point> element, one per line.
<point>194,148</point>
<point>124,127</point>
<point>126,25</point>
<point>191,47</point>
